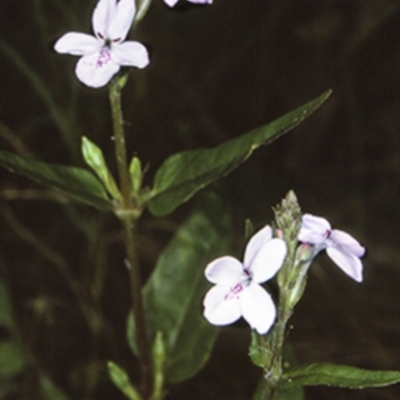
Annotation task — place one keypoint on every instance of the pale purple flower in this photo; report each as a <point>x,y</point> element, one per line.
<point>237,291</point>
<point>104,53</point>
<point>342,248</point>
<point>171,3</point>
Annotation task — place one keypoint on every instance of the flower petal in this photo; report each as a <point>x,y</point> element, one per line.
<point>225,271</point>
<point>122,22</point>
<point>219,307</point>
<point>77,44</point>
<point>132,54</point>
<point>313,229</point>
<point>348,263</point>
<point>258,309</point>
<point>170,3</point>
<point>347,242</point>
<point>96,70</point>
<point>268,260</point>
<point>256,243</point>
<point>103,16</point>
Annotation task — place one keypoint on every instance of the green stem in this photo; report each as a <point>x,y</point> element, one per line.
<point>128,217</point>
<point>274,342</point>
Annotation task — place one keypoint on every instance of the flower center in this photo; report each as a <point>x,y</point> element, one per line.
<point>107,41</point>
<point>234,291</point>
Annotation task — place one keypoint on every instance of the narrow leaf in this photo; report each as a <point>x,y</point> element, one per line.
<point>78,183</point>
<point>158,353</point>
<point>121,380</point>
<point>174,293</point>
<point>49,390</point>
<point>94,158</point>
<point>184,174</point>
<point>339,375</point>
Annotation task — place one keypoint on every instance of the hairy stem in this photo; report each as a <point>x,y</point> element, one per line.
<point>128,217</point>
<point>273,371</point>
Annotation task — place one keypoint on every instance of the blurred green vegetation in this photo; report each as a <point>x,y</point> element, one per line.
<point>215,73</point>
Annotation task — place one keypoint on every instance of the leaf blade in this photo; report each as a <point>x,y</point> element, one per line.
<point>75,182</point>
<point>339,375</point>
<point>185,173</point>
<point>173,294</point>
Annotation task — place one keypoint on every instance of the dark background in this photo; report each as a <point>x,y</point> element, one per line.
<point>216,72</point>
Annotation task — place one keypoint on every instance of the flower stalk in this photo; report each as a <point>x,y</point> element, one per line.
<point>288,220</point>
<point>274,345</point>
<point>128,216</point>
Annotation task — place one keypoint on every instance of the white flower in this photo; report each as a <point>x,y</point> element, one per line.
<point>342,248</point>
<point>171,3</point>
<point>237,292</point>
<point>104,53</point>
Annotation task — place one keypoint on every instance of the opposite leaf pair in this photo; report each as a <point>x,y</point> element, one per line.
<point>237,291</point>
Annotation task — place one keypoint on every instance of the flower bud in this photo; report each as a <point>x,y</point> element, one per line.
<point>135,171</point>
<point>288,217</point>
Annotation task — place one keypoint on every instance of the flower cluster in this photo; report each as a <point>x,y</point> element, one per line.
<point>237,291</point>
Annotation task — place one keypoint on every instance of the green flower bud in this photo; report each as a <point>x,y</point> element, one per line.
<point>135,171</point>
<point>288,217</point>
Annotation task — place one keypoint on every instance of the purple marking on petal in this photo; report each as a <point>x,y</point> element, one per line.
<point>104,57</point>
<point>234,292</point>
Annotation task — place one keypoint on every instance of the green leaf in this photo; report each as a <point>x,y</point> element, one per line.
<point>94,158</point>
<point>174,293</point>
<point>158,353</point>
<point>75,182</point>
<point>49,390</point>
<point>184,174</point>
<point>338,375</point>
<point>121,380</point>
